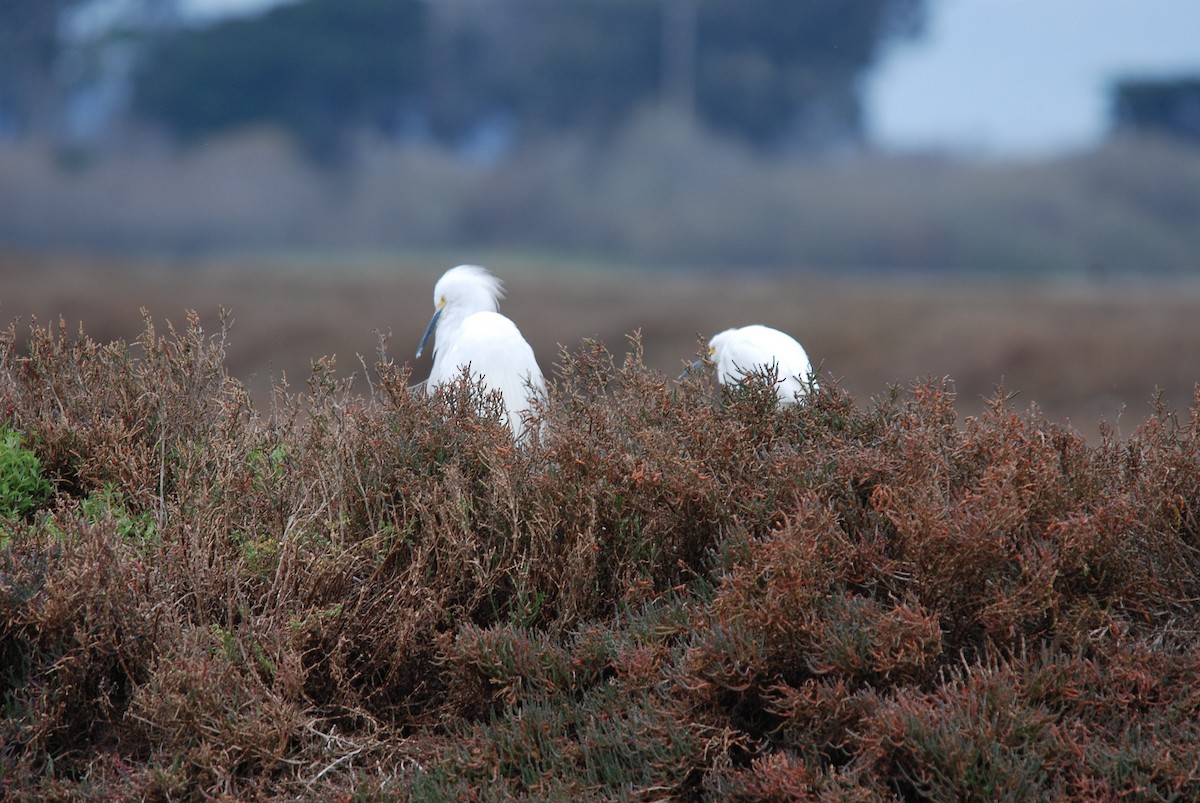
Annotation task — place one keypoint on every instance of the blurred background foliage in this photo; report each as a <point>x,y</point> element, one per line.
<point>674,132</point>
<point>772,72</point>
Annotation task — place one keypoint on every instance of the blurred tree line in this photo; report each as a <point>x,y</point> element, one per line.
<point>62,61</point>
<point>781,74</point>
<point>28,47</point>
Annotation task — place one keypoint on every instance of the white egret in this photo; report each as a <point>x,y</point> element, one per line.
<point>736,352</point>
<point>471,333</point>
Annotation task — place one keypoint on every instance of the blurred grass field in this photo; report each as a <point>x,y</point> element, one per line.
<point>1085,352</point>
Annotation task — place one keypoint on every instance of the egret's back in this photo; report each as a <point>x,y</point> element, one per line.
<point>493,348</point>
<point>753,348</point>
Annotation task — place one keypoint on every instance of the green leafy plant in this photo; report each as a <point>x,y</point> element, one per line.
<point>107,503</point>
<point>22,486</point>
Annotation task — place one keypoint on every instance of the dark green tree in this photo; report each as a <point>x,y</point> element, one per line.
<point>769,71</point>
<point>29,94</point>
<point>1160,106</point>
<point>583,64</point>
<point>48,51</point>
<point>778,73</point>
<point>318,69</point>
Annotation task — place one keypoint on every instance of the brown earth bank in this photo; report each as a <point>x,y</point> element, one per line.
<point>1087,353</point>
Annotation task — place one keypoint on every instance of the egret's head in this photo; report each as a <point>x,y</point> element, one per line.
<point>469,287</point>
<point>463,290</point>
<point>718,342</point>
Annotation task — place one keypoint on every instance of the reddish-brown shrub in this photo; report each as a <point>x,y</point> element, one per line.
<point>672,590</point>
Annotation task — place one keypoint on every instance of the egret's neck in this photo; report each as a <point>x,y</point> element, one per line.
<point>452,318</point>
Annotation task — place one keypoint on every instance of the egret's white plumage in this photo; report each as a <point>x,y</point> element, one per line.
<point>470,332</point>
<point>735,352</point>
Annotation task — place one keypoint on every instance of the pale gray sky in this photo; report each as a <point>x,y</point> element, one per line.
<point>1024,77</point>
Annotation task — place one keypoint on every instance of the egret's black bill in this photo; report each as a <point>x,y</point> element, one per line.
<point>690,368</point>
<point>429,330</point>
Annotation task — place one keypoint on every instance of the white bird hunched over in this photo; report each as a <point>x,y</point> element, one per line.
<point>735,352</point>
<point>470,332</point>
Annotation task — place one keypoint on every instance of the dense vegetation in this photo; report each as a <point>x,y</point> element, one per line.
<point>670,592</point>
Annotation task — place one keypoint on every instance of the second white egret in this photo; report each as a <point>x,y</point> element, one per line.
<point>736,352</point>
<point>471,333</point>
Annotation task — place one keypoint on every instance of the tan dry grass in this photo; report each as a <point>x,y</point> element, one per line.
<point>1082,352</point>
